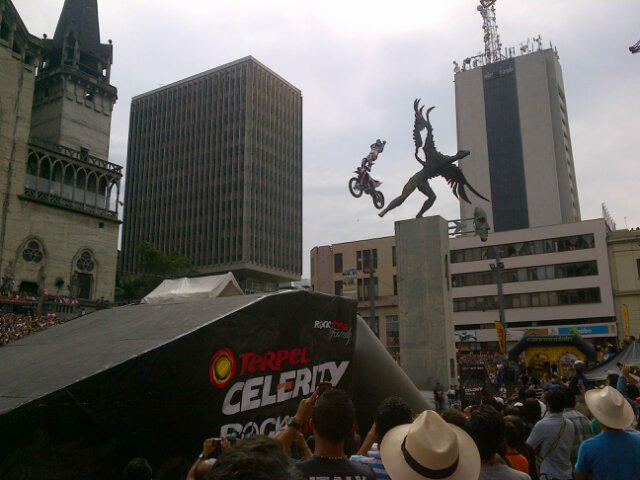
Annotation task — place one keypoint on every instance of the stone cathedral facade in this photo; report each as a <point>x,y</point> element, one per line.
<point>58,192</point>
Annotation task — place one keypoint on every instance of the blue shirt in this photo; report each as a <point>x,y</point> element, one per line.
<point>610,456</point>
<point>375,462</point>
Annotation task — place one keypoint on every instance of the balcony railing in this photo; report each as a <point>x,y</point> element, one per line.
<point>76,155</point>
<point>57,201</point>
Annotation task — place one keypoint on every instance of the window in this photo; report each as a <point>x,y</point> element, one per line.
<point>337,287</point>
<point>524,300</point>
<point>5,31</point>
<point>638,266</point>
<point>369,256</point>
<point>365,287</point>
<point>337,263</point>
<point>546,272</point>
<point>33,252</point>
<point>360,291</point>
<point>359,259</point>
<point>551,245</point>
<point>85,262</point>
<point>395,285</point>
<point>393,256</point>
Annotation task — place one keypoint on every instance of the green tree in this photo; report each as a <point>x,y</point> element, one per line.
<point>155,267</point>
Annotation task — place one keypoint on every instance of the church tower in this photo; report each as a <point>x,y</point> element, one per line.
<point>73,100</point>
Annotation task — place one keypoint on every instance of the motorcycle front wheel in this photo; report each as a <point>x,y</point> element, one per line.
<point>355,188</point>
<point>378,200</point>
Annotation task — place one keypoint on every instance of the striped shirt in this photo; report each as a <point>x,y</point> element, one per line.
<point>375,462</point>
<point>582,430</point>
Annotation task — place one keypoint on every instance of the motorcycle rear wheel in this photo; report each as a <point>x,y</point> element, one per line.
<point>355,188</point>
<point>378,199</point>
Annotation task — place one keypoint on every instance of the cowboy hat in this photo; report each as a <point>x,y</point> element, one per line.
<point>428,449</point>
<point>609,407</point>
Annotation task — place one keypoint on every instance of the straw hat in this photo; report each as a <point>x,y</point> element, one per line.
<point>609,407</point>
<point>430,448</point>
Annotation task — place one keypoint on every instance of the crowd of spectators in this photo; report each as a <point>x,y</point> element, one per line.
<point>15,326</point>
<point>46,297</point>
<point>570,433</point>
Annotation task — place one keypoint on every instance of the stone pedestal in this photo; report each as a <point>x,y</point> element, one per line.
<point>427,347</point>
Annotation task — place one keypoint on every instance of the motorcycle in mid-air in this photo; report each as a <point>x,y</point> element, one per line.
<point>363,182</point>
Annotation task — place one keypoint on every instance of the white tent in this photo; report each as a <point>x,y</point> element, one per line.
<point>186,289</point>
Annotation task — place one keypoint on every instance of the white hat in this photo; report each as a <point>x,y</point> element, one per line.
<point>429,448</point>
<point>609,407</point>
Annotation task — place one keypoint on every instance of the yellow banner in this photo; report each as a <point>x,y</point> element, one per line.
<point>502,337</point>
<point>625,319</point>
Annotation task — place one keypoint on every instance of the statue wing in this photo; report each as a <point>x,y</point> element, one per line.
<point>419,124</point>
<point>457,181</point>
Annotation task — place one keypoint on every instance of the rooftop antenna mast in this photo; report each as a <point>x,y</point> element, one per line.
<point>492,45</point>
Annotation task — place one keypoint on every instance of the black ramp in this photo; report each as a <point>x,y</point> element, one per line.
<point>47,361</point>
<point>83,398</point>
<point>378,376</point>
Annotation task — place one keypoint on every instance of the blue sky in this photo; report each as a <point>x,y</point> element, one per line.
<point>361,64</point>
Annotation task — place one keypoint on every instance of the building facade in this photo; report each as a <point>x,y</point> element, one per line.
<point>342,269</point>
<point>512,116</point>
<point>214,173</point>
<point>556,280</point>
<point>624,257</point>
<point>59,220</point>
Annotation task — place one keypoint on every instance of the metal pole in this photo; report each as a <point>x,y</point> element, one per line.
<point>498,267</point>
<point>372,297</point>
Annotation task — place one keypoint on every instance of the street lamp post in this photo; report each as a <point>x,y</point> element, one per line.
<point>498,268</point>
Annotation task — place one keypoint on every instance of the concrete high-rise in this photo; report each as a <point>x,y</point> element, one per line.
<point>512,116</point>
<point>214,173</point>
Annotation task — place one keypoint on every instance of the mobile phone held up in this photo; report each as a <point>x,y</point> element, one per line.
<point>323,387</point>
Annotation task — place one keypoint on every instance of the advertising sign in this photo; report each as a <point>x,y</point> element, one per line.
<point>349,283</point>
<point>502,337</point>
<point>588,330</point>
<point>256,385</point>
<point>625,319</point>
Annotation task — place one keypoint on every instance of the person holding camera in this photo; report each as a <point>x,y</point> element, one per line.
<point>211,448</point>
<point>332,417</point>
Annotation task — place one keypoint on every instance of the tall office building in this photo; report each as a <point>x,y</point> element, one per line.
<point>512,116</point>
<point>214,173</point>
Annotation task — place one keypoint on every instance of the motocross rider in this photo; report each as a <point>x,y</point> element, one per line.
<point>368,161</point>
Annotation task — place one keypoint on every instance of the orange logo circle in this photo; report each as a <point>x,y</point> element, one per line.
<point>223,366</point>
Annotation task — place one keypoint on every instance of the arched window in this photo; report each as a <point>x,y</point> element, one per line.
<point>67,187</point>
<point>32,170</point>
<point>81,185</point>
<point>85,262</point>
<point>102,193</point>
<point>45,173</point>
<point>113,195</point>
<point>90,194</point>
<point>70,47</point>
<point>85,269</point>
<point>33,252</point>
<point>56,179</point>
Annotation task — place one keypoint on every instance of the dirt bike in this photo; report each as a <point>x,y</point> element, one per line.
<point>363,183</point>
